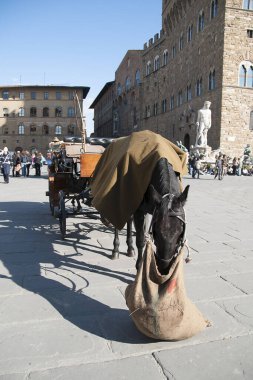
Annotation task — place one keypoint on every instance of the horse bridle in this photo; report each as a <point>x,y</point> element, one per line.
<point>172,213</point>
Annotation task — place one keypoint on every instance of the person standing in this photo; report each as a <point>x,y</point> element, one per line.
<point>17,164</point>
<point>28,164</point>
<point>24,160</point>
<point>235,165</point>
<point>37,164</point>
<point>197,166</point>
<point>6,164</point>
<point>219,167</point>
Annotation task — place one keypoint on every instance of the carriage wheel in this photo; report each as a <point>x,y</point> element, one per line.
<point>62,213</point>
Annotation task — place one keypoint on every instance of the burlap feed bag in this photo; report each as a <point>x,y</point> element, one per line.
<point>158,303</point>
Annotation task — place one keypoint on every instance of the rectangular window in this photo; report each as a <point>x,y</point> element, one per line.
<point>21,95</point>
<point>172,102</point>
<point>164,105</point>
<point>189,33</point>
<point>33,95</point>
<point>58,95</point>
<point>180,98</point>
<point>248,4</point>
<point>250,33</point>
<point>46,96</point>
<point>5,94</point>
<point>155,109</point>
<point>71,95</point>
<point>173,51</point>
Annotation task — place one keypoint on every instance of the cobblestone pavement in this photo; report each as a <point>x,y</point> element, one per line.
<point>62,308</point>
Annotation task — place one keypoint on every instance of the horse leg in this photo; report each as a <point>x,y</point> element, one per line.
<point>115,252</point>
<point>140,235</point>
<point>129,240</point>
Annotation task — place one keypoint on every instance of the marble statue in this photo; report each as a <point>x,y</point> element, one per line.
<point>203,124</point>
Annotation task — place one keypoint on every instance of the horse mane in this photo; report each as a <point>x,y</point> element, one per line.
<point>164,178</point>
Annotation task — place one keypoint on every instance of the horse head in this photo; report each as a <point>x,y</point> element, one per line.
<point>168,226</point>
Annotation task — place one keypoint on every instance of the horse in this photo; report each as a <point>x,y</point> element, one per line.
<point>163,200</point>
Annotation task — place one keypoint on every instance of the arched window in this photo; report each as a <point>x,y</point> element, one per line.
<point>128,83</point>
<point>189,33</point>
<point>71,130</point>
<point>174,51</point>
<point>164,105</point>
<point>33,112</point>
<point>45,112</point>
<point>58,112</point>
<point>58,129</point>
<point>165,57</point>
<point>246,74</point>
<point>21,111</point>
<point>214,9</point>
<point>71,112</point>
<point>189,92</point>
<point>211,80</point>
<point>21,129</point>
<point>180,98</point>
<point>157,63</point>
<point>148,68</point>
<point>138,77</point>
<point>119,89</point>
<point>199,87</point>
<point>181,41</point>
<point>250,77</point>
<point>242,76</point>
<point>201,21</point>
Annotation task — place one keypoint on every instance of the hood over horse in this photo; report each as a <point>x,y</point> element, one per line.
<point>149,167</point>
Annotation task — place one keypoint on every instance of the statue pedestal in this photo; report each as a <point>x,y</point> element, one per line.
<point>204,151</point>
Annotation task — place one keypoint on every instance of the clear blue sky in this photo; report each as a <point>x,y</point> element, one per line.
<point>72,42</point>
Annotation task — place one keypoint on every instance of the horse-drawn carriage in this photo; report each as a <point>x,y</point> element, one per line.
<point>69,175</point>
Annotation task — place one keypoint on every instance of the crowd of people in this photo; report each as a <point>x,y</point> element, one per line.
<point>224,165</point>
<point>20,163</point>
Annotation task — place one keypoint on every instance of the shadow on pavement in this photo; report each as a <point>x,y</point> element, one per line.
<point>25,243</point>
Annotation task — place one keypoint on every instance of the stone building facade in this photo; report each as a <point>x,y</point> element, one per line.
<point>197,57</point>
<point>119,102</point>
<point>128,100</point>
<point>204,51</point>
<point>31,116</point>
<point>103,110</point>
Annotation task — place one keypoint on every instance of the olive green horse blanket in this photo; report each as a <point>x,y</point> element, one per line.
<point>124,172</point>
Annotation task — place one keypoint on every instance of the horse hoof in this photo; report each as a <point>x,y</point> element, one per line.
<point>115,255</point>
<point>130,253</point>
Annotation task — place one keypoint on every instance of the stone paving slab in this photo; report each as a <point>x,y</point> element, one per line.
<point>200,289</point>
<point>47,344</point>
<point>227,359</point>
<point>241,309</point>
<point>144,367</point>
<point>242,281</point>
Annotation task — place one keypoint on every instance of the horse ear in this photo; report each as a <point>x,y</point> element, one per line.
<point>153,195</point>
<point>184,195</point>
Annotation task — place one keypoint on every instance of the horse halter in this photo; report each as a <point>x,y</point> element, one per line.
<point>172,213</point>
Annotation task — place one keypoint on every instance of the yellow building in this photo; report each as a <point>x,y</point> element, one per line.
<point>31,116</point>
